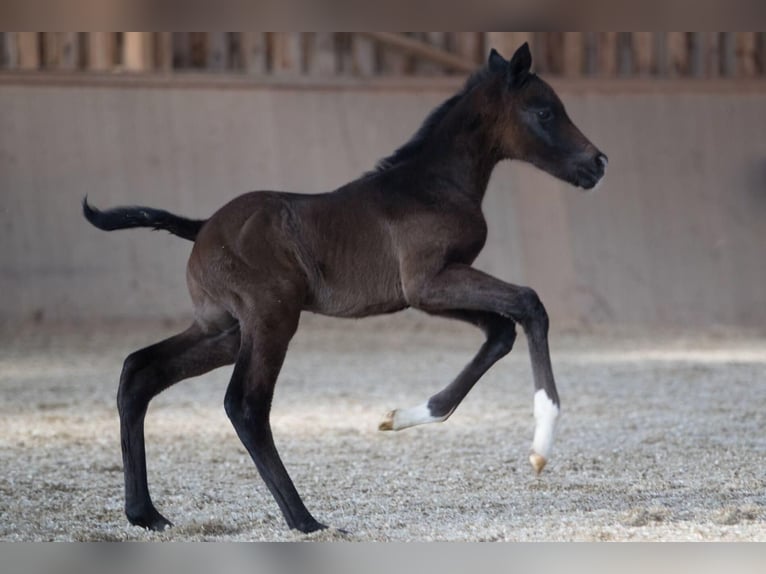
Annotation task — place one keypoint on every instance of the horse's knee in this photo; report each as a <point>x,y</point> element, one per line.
<point>534,313</point>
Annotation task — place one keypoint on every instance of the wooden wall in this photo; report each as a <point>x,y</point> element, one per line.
<point>674,237</point>
<point>361,54</point>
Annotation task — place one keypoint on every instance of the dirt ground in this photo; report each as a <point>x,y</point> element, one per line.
<point>660,438</point>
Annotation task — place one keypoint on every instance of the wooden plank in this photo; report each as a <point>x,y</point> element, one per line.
<point>661,53</point>
<point>393,61</point>
<point>574,54</point>
<point>554,52</point>
<point>625,54</point>
<point>101,47</point>
<point>322,61</point>
<point>163,55</point>
<point>422,50</point>
<point>728,54</point>
<point>50,50</point>
<point>712,54</point>
<point>181,50</point>
<point>343,55</point>
<point>9,50</point>
<point>29,50</point>
<point>217,51</point>
<point>591,53</point>
<point>607,54</point>
<point>643,53</point>
<point>467,45</point>
<point>363,51</point>
<point>69,50</point>
<point>137,51</point>
<point>285,53</point>
<point>697,54</point>
<point>678,54</point>
<point>747,45</point>
<point>253,47</point>
<point>435,40</point>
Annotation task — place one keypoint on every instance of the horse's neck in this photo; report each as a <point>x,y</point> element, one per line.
<point>463,148</point>
<point>464,161</point>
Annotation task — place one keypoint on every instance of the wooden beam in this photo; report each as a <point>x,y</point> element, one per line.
<point>728,54</point>
<point>468,45</point>
<point>591,53</point>
<point>101,46</point>
<point>363,51</point>
<point>217,51</point>
<point>712,54</point>
<point>164,51</point>
<point>643,53</point>
<point>29,50</point>
<point>678,54</point>
<point>625,54</point>
<point>182,57</point>
<point>9,50</point>
<point>661,53</point>
<point>747,45</point>
<point>422,50</point>
<point>285,53</point>
<point>697,53</point>
<point>137,51</point>
<point>392,60</point>
<point>607,54</point>
<point>574,54</point>
<point>253,46</point>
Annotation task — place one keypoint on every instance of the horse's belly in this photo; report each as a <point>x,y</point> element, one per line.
<point>357,293</point>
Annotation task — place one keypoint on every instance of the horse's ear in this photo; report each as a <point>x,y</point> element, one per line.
<point>496,62</point>
<point>520,64</point>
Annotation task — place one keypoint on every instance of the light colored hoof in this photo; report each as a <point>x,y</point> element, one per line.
<point>388,421</point>
<point>538,462</point>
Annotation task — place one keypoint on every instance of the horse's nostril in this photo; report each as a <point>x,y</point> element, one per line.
<point>602,160</point>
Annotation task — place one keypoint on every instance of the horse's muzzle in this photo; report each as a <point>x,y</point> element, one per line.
<point>590,172</point>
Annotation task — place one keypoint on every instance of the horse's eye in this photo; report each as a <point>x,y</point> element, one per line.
<point>544,115</point>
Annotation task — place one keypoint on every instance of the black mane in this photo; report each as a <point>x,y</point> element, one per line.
<point>416,142</point>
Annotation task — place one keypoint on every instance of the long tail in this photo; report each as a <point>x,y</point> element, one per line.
<point>127,217</point>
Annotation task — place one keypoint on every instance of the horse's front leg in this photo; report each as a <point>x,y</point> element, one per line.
<point>500,332</point>
<point>461,287</point>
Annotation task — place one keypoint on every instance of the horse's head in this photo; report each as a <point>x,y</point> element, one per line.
<point>536,128</point>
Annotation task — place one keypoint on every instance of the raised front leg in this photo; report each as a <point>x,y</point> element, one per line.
<point>501,333</point>
<point>461,287</point>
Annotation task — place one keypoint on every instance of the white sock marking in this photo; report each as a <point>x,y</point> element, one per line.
<point>419,415</point>
<point>546,413</point>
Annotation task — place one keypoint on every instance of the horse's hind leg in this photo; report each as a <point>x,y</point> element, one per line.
<point>501,334</point>
<point>248,404</point>
<point>145,374</point>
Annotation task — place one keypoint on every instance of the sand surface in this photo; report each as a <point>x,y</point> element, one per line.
<point>661,438</point>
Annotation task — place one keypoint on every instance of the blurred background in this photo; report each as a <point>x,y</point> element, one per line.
<point>675,237</point>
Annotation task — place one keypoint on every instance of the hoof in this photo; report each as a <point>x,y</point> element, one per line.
<point>151,520</point>
<point>538,462</point>
<point>310,526</point>
<point>388,421</point>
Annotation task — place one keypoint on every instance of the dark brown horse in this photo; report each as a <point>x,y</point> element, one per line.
<point>403,235</point>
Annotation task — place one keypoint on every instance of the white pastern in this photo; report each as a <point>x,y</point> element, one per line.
<point>405,418</point>
<point>546,413</point>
